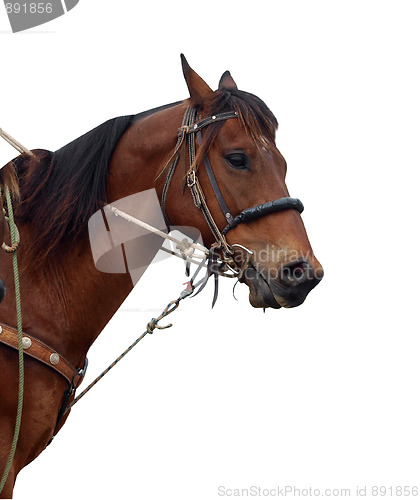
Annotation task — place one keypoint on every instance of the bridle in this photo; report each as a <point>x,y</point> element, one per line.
<point>190,133</point>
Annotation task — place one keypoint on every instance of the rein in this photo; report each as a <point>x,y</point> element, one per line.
<point>151,326</point>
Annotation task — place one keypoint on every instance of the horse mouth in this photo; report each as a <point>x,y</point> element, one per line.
<point>260,294</point>
<point>268,292</point>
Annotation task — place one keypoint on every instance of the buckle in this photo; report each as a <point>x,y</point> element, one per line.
<point>82,371</point>
<point>184,129</point>
<point>191,178</point>
<point>79,375</point>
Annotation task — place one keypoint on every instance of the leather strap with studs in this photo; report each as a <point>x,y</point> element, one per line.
<point>42,352</point>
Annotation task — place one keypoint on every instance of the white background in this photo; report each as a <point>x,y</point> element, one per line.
<point>324,395</point>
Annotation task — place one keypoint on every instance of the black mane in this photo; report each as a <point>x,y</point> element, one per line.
<point>61,190</point>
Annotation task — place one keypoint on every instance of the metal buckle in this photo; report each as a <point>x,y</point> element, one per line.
<point>82,371</point>
<point>184,129</point>
<point>79,375</point>
<point>191,174</point>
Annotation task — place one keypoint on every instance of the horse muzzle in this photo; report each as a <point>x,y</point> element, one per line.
<point>288,287</point>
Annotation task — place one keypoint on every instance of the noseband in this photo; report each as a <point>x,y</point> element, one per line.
<point>189,132</point>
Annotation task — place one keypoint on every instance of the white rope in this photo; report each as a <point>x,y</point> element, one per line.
<point>184,246</point>
<point>13,142</point>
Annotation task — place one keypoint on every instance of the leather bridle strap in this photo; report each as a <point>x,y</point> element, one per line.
<point>182,134</point>
<point>43,353</point>
<point>194,184</point>
<point>187,133</point>
<point>220,117</point>
<point>215,185</point>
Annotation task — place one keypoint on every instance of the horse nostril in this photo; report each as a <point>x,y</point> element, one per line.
<point>294,273</point>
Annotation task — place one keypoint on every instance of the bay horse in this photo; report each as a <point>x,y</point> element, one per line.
<point>66,301</point>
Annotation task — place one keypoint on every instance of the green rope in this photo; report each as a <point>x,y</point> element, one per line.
<point>13,232</point>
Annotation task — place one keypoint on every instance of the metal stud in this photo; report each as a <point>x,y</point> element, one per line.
<point>228,215</point>
<point>54,358</point>
<point>195,126</point>
<point>26,342</point>
<point>213,117</point>
<point>1,329</point>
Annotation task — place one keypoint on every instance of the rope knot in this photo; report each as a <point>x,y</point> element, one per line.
<point>151,325</point>
<point>14,234</point>
<point>185,248</point>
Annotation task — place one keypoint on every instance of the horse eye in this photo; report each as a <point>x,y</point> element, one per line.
<point>240,161</point>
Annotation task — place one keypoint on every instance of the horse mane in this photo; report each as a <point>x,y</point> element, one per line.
<point>60,191</point>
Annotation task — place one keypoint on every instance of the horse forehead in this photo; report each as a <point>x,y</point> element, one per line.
<point>234,133</point>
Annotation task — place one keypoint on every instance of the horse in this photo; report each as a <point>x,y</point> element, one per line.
<point>67,301</point>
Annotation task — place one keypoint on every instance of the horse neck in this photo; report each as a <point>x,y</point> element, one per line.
<point>89,298</point>
<point>66,301</point>
<point>142,153</point>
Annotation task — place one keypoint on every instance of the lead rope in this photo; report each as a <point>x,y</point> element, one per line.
<point>151,326</point>
<point>13,233</point>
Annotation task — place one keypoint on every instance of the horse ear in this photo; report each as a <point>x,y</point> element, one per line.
<point>196,85</point>
<point>227,82</point>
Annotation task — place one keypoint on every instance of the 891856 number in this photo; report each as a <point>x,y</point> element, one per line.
<point>395,491</point>
<point>29,8</point>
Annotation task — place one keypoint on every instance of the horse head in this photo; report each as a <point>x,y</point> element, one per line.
<point>271,249</point>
